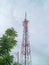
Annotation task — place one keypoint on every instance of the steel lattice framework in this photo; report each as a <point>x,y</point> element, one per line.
<point>25,47</point>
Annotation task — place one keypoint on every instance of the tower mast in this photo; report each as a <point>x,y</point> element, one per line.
<point>25,48</point>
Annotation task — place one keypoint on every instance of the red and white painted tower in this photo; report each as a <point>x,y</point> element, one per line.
<point>25,47</point>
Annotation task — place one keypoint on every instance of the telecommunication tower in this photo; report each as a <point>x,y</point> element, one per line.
<point>25,47</point>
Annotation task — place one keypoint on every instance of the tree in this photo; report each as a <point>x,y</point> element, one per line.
<point>7,42</point>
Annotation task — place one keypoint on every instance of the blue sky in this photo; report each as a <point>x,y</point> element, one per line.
<point>12,14</point>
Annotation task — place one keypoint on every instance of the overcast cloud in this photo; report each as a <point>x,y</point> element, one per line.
<point>12,15</point>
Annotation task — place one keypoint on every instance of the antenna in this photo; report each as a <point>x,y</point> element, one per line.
<point>25,15</point>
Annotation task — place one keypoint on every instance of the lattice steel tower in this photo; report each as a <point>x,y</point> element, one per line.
<point>25,47</point>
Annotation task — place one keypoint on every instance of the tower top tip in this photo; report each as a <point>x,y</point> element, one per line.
<point>25,15</point>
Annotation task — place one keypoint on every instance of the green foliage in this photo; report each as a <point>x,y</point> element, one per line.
<point>7,42</point>
<point>8,59</point>
<point>1,61</point>
<point>11,33</point>
<point>16,63</point>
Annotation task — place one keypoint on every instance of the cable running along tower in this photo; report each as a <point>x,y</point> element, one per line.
<point>25,47</point>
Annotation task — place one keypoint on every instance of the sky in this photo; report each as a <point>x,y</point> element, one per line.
<point>12,14</point>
